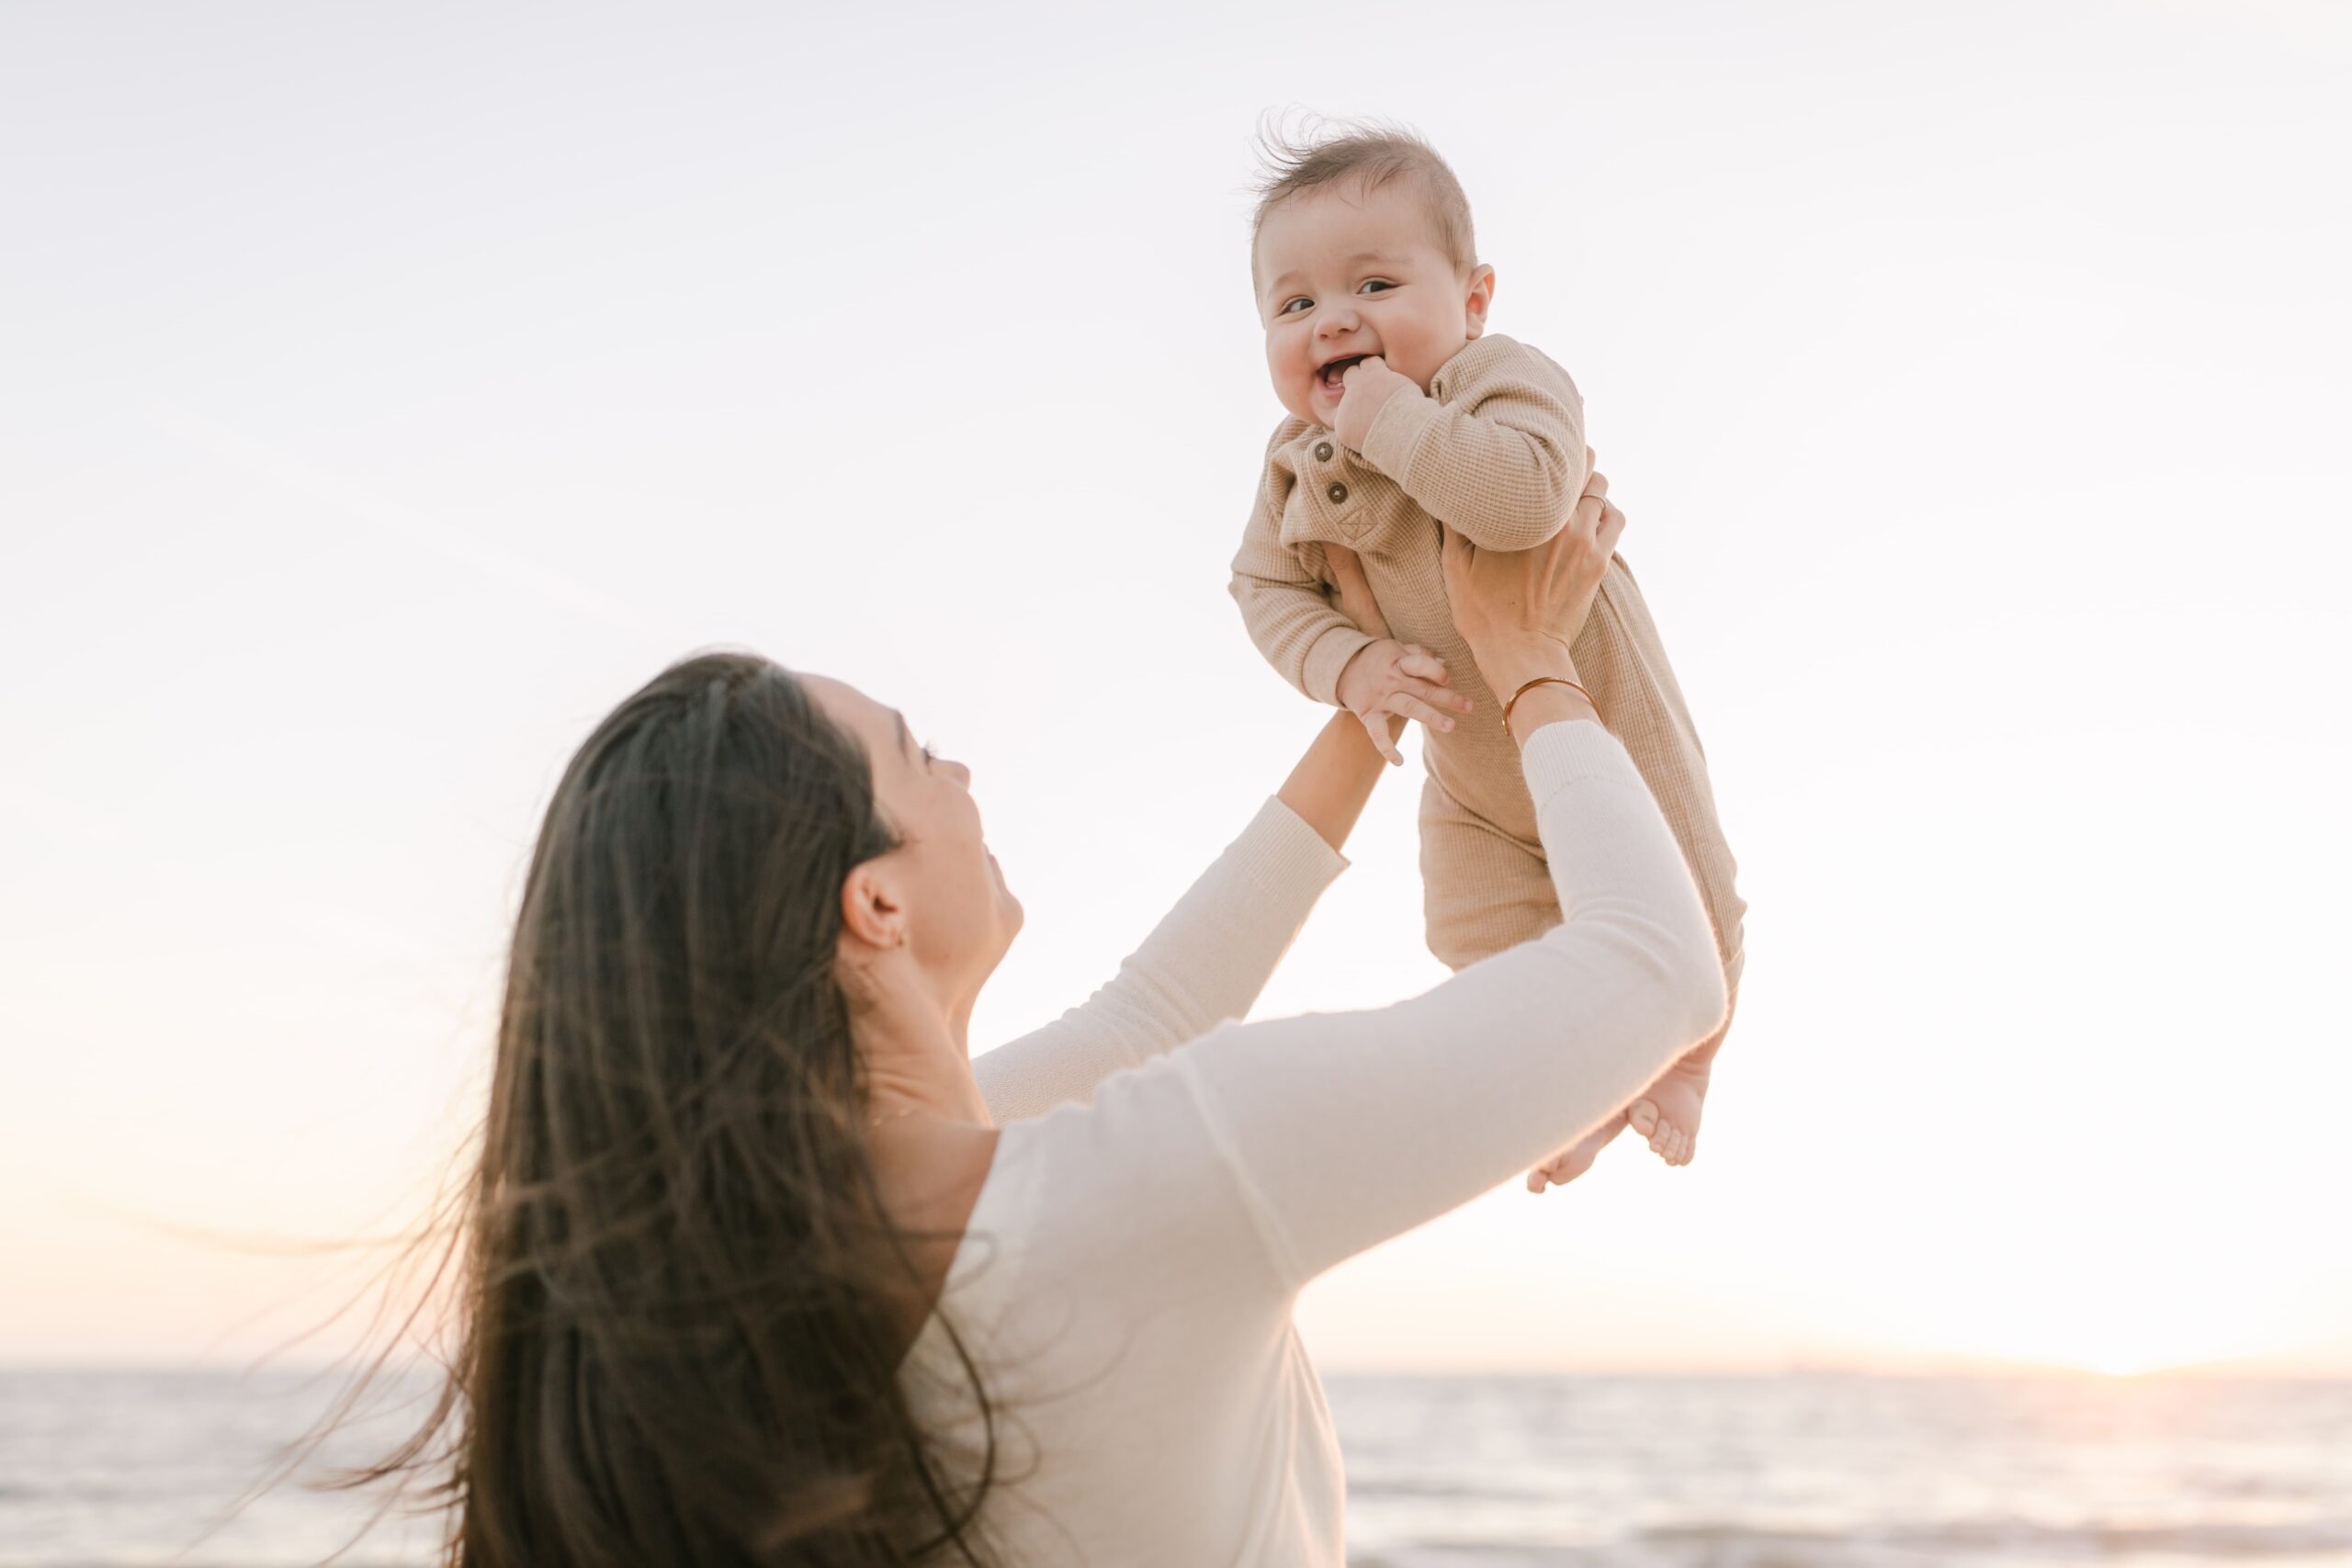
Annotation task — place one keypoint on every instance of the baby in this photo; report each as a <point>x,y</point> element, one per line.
<point>1405,411</point>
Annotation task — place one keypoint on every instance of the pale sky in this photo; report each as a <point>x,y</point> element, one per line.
<point>385,391</point>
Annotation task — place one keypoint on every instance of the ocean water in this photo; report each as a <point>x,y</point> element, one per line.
<point>112,1468</point>
<point>1843,1472</point>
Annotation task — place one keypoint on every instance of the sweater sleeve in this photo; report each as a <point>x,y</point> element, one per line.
<point>1345,1128</point>
<point>1498,453</point>
<point>1207,961</point>
<point>1283,605</point>
<point>1623,661</point>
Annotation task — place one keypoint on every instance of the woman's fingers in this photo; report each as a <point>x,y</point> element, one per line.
<point>1453,550</point>
<point>1513,600</point>
<point>1354,591</point>
<point>1590,505</point>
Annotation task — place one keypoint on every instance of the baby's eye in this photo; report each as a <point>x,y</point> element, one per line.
<point>1380,283</point>
<point>1301,300</point>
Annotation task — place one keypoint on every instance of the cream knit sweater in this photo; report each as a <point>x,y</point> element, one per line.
<point>1167,1179</point>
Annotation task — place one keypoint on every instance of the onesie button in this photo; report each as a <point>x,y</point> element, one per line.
<point>1338,492</point>
<point>1322,451</point>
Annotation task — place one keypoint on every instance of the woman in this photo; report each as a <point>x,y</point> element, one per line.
<point>763,1269</point>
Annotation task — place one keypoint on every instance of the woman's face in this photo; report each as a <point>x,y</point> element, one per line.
<point>960,917</point>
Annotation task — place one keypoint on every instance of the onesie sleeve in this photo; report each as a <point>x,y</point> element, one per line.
<point>1498,453</point>
<point>1345,1128</point>
<point>1207,961</point>
<point>1283,605</point>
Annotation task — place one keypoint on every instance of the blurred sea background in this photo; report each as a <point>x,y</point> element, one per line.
<point>397,387</point>
<point>111,1469</point>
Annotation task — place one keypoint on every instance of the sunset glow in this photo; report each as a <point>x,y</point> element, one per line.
<point>1972,381</point>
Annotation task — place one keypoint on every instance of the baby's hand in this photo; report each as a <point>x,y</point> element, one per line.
<point>1365,388</point>
<point>1400,678</point>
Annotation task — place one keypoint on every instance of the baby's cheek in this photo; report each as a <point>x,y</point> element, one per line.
<point>1289,383</point>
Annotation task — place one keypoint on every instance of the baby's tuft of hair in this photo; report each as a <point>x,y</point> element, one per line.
<point>1372,153</point>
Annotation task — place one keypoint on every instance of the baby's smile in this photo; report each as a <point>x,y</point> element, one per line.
<point>1331,385</point>
<point>1333,374</point>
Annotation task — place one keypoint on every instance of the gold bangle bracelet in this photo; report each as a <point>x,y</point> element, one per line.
<point>1544,681</point>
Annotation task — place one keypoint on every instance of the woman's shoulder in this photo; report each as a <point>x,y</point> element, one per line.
<point>1118,1188</point>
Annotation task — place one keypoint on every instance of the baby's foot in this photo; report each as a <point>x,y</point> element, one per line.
<point>1574,1161</point>
<point>1667,1111</point>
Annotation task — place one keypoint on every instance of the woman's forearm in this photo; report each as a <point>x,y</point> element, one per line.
<point>1331,782</point>
<point>1348,1128</point>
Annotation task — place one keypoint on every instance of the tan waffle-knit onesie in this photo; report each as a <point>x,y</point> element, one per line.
<point>1497,450</point>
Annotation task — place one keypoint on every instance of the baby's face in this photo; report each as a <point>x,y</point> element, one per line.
<point>1343,273</point>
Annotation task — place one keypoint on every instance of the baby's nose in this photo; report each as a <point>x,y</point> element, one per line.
<point>1336,322</point>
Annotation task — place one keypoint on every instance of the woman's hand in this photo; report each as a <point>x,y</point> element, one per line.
<point>1387,682</point>
<point>1518,610</point>
<point>1354,590</point>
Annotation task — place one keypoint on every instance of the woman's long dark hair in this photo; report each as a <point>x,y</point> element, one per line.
<point>682,1306</point>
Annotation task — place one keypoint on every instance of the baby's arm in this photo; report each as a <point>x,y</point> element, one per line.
<point>1293,624</point>
<point>1498,454</point>
<point>1336,659</point>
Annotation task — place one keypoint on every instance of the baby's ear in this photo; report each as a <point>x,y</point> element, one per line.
<point>1478,299</point>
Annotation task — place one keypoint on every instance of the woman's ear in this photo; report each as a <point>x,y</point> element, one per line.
<point>872,912</point>
<point>1480,297</point>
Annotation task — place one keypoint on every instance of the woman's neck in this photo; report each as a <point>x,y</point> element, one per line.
<point>917,1062</point>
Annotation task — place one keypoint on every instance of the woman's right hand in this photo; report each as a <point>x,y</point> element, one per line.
<point>1518,610</point>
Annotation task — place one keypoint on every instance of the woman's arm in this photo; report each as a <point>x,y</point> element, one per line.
<point>1210,956</point>
<point>1213,953</point>
<point>1299,1142</point>
<point>1332,782</point>
<point>1345,1128</point>
<point>1428,1103</point>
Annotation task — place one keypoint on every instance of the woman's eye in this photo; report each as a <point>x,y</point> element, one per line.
<point>929,756</point>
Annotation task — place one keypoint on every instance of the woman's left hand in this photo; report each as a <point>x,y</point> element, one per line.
<point>1356,601</point>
